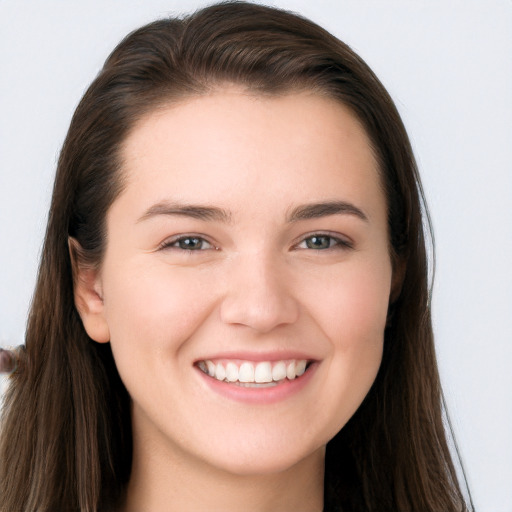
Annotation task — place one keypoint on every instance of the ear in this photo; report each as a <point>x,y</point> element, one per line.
<point>88,294</point>
<point>397,279</point>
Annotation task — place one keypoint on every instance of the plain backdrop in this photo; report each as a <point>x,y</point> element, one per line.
<point>447,64</point>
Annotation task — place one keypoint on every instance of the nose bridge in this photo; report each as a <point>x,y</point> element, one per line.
<point>258,295</point>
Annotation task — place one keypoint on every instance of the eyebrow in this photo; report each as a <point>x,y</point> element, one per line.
<point>201,212</point>
<point>318,210</point>
<point>213,213</point>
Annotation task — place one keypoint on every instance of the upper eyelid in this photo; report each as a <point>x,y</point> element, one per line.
<point>168,242</point>
<point>343,239</point>
<point>339,243</point>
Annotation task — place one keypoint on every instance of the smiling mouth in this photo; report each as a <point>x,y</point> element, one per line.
<point>259,375</point>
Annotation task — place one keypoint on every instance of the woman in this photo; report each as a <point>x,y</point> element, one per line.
<point>232,306</point>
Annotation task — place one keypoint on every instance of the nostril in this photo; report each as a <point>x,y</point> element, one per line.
<point>261,313</point>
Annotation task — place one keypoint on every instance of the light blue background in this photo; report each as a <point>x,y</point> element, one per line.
<point>448,65</point>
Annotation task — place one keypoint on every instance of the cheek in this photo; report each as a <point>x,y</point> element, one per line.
<point>351,305</point>
<point>357,321</point>
<point>352,312</point>
<point>155,306</point>
<point>151,315</point>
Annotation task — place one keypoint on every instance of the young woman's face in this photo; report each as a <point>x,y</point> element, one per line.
<point>250,240</point>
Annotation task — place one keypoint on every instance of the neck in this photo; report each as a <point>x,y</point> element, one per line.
<point>166,480</point>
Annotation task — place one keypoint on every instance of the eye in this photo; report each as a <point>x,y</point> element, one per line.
<point>187,243</point>
<point>321,242</point>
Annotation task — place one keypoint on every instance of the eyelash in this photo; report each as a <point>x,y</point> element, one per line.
<point>173,243</point>
<point>335,243</point>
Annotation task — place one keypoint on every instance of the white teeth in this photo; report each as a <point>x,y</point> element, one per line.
<point>290,371</point>
<point>300,368</point>
<point>211,368</point>
<point>231,372</point>
<point>254,374</point>
<point>263,372</point>
<point>279,371</point>
<point>246,372</point>
<point>255,385</point>
<point>220,372</point>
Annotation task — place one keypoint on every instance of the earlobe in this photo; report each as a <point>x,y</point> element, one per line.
<point>88,294</point>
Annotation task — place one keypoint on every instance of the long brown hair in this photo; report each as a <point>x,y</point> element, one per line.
<point>66,436</point>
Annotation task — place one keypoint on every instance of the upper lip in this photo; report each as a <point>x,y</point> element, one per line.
<point>276,355</point>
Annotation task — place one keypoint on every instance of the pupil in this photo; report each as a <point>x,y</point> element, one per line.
<point>318,242</point>
<point>190,243</point>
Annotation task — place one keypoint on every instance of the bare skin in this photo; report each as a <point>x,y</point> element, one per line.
<point>251,229</point>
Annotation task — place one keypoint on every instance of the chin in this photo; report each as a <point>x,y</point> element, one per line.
<point>261,462</point>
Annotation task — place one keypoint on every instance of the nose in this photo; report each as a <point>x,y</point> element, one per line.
<point>258,295</point>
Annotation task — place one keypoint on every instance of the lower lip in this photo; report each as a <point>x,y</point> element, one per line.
<point>262,395</point>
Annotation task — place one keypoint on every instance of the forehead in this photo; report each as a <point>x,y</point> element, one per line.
<point>232,145</point>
